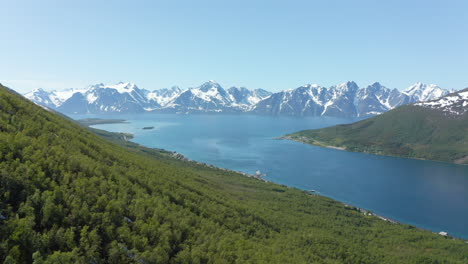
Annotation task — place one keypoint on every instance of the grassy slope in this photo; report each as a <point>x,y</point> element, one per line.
<point>408,131</point>
<point>68,195</point>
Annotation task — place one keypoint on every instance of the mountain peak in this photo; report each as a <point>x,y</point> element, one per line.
<point>420,85</point>
<point>209,85</point>
<point>347,86</point>
<point>121,87</point>
<point>311,85</point>
<point>240,89</point>
<point>425,92</point>
<point>454,103</point>
<point>38,90</point>
<point>376,86</point>
<point>124,85</point>
<point>212,82</point>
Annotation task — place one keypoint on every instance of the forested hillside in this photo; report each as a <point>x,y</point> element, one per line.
<point>409,131</point>
<point>68,195</point>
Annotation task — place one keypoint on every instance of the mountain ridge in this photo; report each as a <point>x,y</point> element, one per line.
<point>342,100</point>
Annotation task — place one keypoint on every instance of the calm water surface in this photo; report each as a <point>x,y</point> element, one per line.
<point>430,195</point>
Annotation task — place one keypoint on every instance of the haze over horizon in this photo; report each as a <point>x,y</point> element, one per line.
<point>266,44</point>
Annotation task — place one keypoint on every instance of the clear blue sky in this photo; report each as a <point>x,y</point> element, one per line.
<point>274,45</point>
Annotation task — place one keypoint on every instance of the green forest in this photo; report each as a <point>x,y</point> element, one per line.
<point>408,131</point>
<point>70,195</point>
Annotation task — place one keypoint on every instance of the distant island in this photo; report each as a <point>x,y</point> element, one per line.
<point>99,121</point>
<point>149,128</point>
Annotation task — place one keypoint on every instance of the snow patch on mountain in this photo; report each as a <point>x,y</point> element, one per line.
<point>163,96</point>
<point>454,103</point>
<point>121,87</point>
<point>424,92</point>
<point>91,98</point>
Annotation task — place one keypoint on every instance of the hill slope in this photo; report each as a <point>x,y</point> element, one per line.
<point>434,130</point>
<point>70,196</point>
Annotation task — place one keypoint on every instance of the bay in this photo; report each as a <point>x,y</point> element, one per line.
<point>427,194</point>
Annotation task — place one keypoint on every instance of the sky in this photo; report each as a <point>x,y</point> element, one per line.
<point>274,45</point>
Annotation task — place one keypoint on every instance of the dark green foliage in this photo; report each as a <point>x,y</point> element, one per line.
<point>70,196</point>
<point>408,131</point>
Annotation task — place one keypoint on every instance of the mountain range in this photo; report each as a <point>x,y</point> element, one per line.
<point>434,130</point>
<point>343,100</point>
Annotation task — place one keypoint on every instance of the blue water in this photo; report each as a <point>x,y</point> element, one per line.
<point>430,195</point>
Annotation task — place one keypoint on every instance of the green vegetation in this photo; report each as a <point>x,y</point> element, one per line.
<point>408,131</point>
<point>68,195</point>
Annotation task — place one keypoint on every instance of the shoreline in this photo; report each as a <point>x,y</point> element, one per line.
<point>319,144</point>
<point>182,157</point>
<point>99,121</point>
<point>365,212</point>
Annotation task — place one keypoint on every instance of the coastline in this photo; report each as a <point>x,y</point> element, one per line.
<point>317,143</point>
<point>99,121</point>
<point>364,211</point>
<point>314,142</point>
<point>182,157</point>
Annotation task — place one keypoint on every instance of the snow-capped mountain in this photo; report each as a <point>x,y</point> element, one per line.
<point>209,97</point>
<point>245,98</point>
<point>51,99</point>
<point>305,100</point>
<point>212,97</point>
<point>101,98</point>
<point>340,100</point>
<point>126,97</point>
<point>376,99</point>
<point>454,103</point>
<point>163,96</point>
<point>343,100</point>
<point>41,97</point>
<point>98,98</point>
<point>420,92</point>
<point>311,100</point>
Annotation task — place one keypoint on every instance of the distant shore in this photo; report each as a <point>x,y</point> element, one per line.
<point>99,121</point>
<point>311,142</point>
<point>317,143</point>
